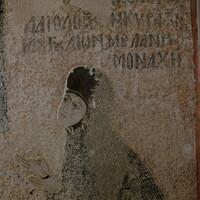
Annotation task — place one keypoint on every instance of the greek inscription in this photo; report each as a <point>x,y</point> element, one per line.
<point>146,60</point>
<point>151,21</point>
<point>120,19</point>
<point>57,23</point>
<point>33,45</point>
<point>102,42</point>
<point>45,24</point>
<point>151,40</point>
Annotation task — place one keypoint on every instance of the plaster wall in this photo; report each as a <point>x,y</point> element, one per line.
<point>145,49</point>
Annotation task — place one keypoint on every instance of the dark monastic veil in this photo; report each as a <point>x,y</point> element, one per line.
<point>98,164</point>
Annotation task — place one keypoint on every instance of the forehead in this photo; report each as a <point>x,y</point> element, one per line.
<point>74,96</point>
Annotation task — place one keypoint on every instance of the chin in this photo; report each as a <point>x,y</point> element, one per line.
<point>63,122</point>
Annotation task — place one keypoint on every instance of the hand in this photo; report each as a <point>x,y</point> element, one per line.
<point>47,184</point>
<point>34,167</point>
<point>38,173</point>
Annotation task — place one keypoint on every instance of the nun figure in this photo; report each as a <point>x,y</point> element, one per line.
<point>98,164</point>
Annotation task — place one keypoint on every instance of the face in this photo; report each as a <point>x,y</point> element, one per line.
<point>72,109</point>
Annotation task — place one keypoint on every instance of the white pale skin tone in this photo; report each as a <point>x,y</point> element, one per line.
<point>72,109</point>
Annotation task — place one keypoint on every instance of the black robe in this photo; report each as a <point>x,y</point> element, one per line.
<point>89,173</point>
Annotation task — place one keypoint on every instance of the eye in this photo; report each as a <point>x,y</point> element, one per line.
<point>67,98</point>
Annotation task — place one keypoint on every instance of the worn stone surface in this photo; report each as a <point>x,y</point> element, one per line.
<point>144,48</point>
<point>3,104</point>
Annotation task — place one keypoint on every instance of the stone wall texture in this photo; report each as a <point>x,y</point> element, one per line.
<point>144,47</point>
